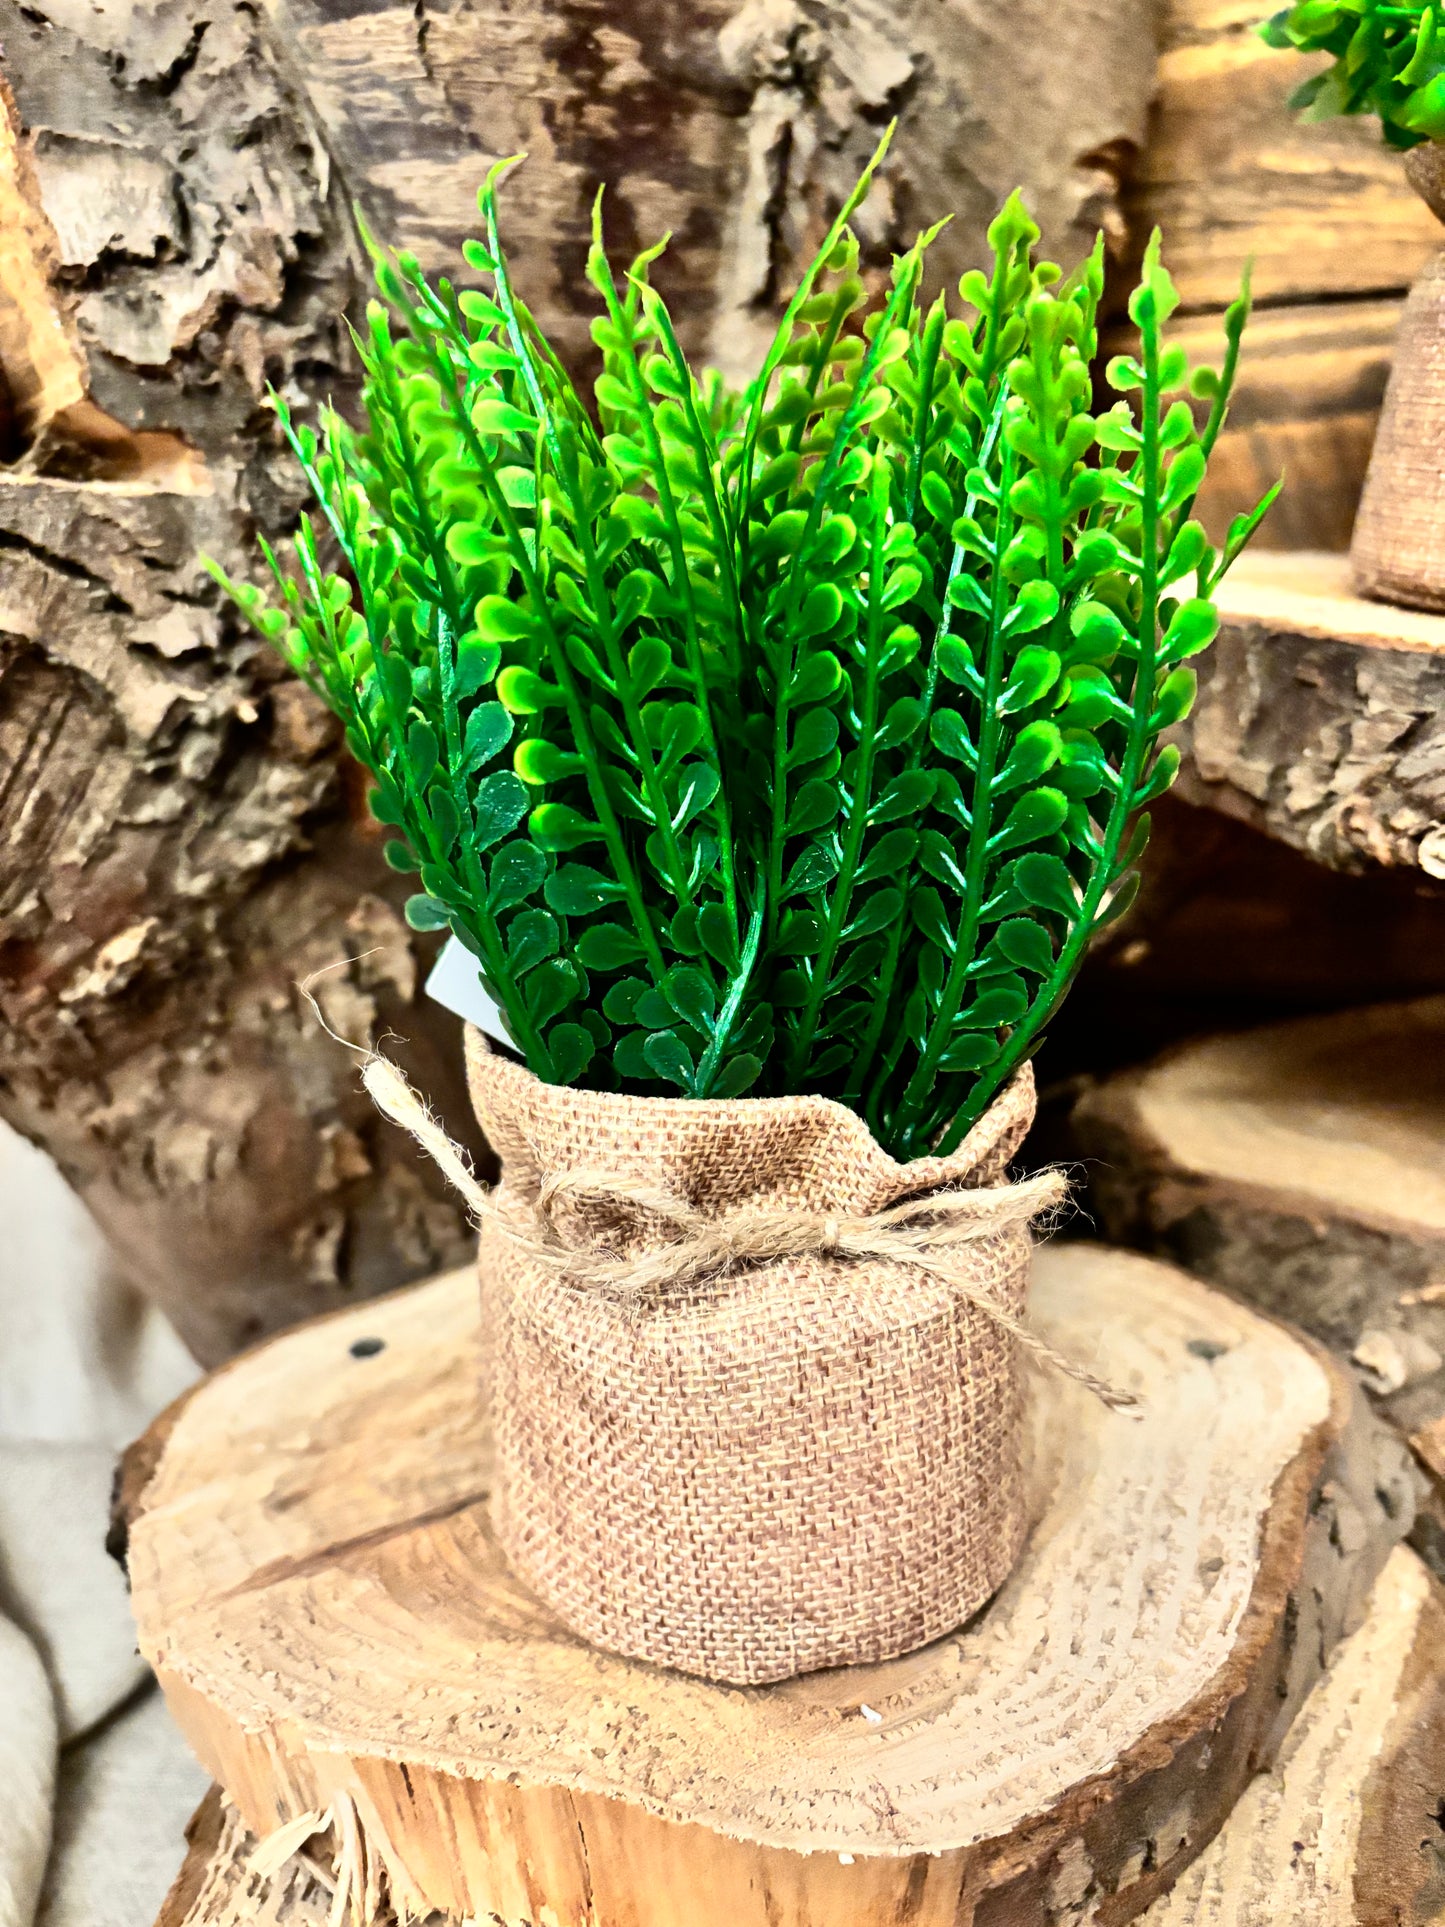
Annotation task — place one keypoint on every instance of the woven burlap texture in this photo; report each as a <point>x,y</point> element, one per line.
<point>798,1465</point>
<point>1397,552</point>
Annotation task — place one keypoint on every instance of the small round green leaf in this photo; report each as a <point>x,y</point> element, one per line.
<point>498,807</point>
<point>516,874</point>
<point>425,913</point>
<point>571,1048</point>
<point>532,937</point>
<point>1044,880</point>
<point>576,890</point>
<point>609,946</point>
<point>814,807</point>
<point>669,1058</point>
<point>550,988</point>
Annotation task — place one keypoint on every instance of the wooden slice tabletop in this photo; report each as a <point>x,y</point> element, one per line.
<point>316,1584</point>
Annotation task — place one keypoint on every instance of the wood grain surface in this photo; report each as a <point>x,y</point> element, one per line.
<point>315,1581</point>
<point>1336,236</point>
<point>1299,1165</point>
<point>1343,1830</point>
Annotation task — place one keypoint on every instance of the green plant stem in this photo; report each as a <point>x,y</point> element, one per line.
<point>711,1058</point>
<point>681,584</point>
<point>888,973</point>
<point>857,816</point>
<point>976,866</point>
<point>796,591</point>
<point>716,501</point>
<point>504,985</point>
<point>1140,735</point>
<point>748,442</point>
<point>927,373</point>
<point>482,923</point>
<point>566,680</point>
<point>601,599</point>
<point>561,666</point>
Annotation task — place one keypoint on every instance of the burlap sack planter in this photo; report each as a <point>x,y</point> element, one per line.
<point>786,1466</point>
<point>1397,551</point>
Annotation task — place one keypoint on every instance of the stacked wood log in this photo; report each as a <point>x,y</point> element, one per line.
<point>1299,1166</point>
<point>1344,1830</point>
<point>1321,717</point>
<point>1336,235</point>
<point>316,1583</point>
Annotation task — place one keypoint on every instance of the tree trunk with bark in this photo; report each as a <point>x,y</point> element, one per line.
<point>180,839</point>
<point>179,843</point>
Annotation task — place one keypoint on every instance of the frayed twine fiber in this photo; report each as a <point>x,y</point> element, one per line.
<point>927,1233</point>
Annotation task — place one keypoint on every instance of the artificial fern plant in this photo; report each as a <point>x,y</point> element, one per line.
<point>794,741</point>
<point>1389,59</point>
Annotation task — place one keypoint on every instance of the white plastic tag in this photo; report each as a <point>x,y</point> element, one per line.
<point>455,984</point>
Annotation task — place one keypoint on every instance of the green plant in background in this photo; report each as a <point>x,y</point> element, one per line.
<point>787,742</point>
<point>1388,60</point>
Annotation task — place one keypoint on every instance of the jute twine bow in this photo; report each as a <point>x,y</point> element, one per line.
<point>928,1233</point>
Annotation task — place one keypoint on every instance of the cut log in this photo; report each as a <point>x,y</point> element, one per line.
<point>1336,234</point>
<point>1321,717</point>
<point>1300,1166</point>
<point>1346,1830</point>
<point>1343,1831</point>
<point>315,1581</point>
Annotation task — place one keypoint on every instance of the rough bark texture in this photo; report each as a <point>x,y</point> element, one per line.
<point>1321,717</point>
<point>1337,237</point>
<point>738,125</point>
<point>1299,1166</point>
<point>178,843</point>
<point>335,1631</point>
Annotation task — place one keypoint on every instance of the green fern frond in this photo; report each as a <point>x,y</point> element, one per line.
<point>791,741</point>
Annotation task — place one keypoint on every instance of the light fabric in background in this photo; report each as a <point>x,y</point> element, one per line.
<point>96,1785</point>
